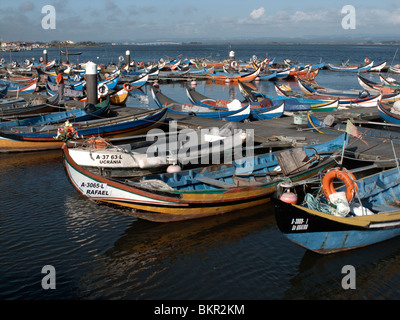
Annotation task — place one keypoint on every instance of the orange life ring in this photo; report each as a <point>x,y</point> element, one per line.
<point>98,143</point>
<point>127,86</point>
<point>366,60</point>
<point>141,64</point>
<point>348,179</point>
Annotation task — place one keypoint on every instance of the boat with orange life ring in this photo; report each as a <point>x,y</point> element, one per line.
<point>374,215</point>
<point>127,86</point>
<point>345,176</point>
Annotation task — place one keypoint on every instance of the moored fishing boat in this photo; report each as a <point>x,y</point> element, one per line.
<point>201,192</point>
<point>16,87</point>
<point>387,89</point>
<point>362,212</point>
<point>388,113</point>
<point>363,99</point>
<point>12,107</point>
<point>159,150</point>
<point>82,114</point>
<point>119,97</point>
<point>378,67</point>
<point>389,81</point>
<point>38,138</point>
<point>226,77</point>
<point>345,68</point>
<point>395,69</point>
<point>366,133</point>
<point>316,105</point>
<point>234,112</point>
<point>258,110</point>
<point>291,105</point>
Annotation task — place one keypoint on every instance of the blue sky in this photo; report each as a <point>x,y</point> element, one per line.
<point>179,20</point>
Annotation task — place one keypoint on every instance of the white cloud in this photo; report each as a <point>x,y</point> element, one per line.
<point>257,13</point>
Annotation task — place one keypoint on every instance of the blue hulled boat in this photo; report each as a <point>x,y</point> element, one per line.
<point>236,112</point>
<point>368,213</point>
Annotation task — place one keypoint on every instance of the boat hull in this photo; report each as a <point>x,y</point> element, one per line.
<point>170,204</point>
<point>326,234</point>
<point>38,141</point>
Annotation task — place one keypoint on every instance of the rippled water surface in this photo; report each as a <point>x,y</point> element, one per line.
<point>99,253</point>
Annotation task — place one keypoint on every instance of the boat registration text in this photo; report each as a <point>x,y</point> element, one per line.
<point>91,188</point>
<point>299,224</point>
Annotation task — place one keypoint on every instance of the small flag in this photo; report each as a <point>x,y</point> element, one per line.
<point>352,129</point>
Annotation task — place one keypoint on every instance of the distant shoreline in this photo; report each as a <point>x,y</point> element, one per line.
<point>60,45</point>
<point>233,43</point>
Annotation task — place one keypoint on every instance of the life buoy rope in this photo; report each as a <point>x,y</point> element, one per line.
<point>102,90</point>
<point>98,143</point>
<point>346,177</point>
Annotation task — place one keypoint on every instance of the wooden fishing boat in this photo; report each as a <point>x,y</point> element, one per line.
<point>366,133</point>
<point>38,138</point>
<point>111,82</point>
<point>12,100</point>
<point>378,67</point>
<point>388,114</point>
<point>344,68</point>
<point>12,78</point>
<point>367,212</point>
<point>266,76</point>
<point>160,150</point>
<point>303,73</point>
<point>12,107</point>
<point>200,192</point>
<point>389,81</point>
<point>388,95</point>
<point>139,82</point>
<point>200,64</point>
<point>226,77</point>
<point>316,105</point>
<point>235,111</point>
<point>82,114</point>
<point>312,88</point>
<point>20,87</point>
<point>119,97</point>
<point>388,90</point>
<point>45,66</point>
<point>344,101</point>
<point>325,106</point>
<point>68,93</point>
<point>394,69</point>
<point>291,64</point>
<point>257,111</point>
<point>266,113</point>
<point>291,104</point>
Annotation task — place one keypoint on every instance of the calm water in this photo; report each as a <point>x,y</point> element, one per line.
<point>101,254</point>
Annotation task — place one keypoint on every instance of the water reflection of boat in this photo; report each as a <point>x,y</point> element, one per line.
<point>31,158</point>
<point>146,243</point>
<point>317,275</point>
